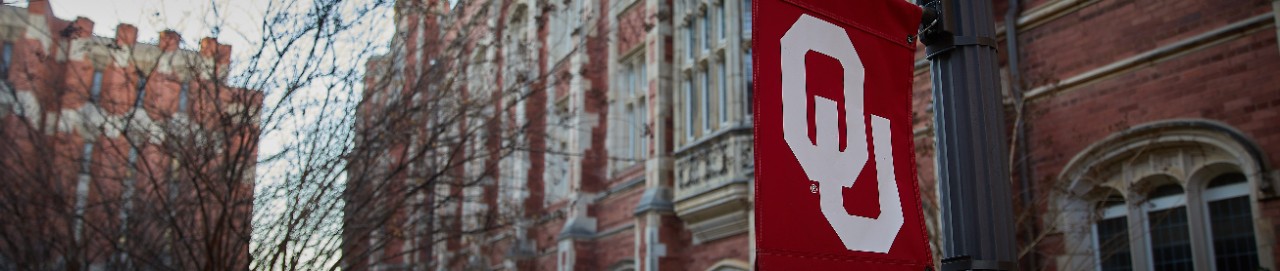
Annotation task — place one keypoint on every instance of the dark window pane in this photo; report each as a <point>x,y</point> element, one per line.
<point>142,91</point>
<point>95,89</point>
<point>1167,190</point>
<point>1170,243</point>
<point>1113,244</point>
<point>1231,221</point>
<point>86,159</point>
<point>748,73</point>
<point>5,60</point>
<point>182,97</point>
<point>1227,179</point>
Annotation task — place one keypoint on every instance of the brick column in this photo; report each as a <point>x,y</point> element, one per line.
<point>654,242</point>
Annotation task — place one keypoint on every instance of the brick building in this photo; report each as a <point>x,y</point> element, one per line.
<point>1143,132</point>
<point>120,154</point>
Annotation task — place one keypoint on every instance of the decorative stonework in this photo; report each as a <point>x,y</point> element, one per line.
<point>715,162</point>
<point>713,185</point>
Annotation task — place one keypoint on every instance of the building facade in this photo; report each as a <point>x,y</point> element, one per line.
<point>1142,133</point>
<point>120,154</point>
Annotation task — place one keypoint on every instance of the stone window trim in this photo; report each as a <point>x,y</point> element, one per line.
<point>1138,206</point>
<point>1221,149</point>
<point>726,49</point>
<point>708,110</point>
<point>1107,211</point>
<point>629,102</point>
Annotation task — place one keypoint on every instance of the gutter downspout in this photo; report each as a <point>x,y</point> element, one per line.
<point>1021,158</point>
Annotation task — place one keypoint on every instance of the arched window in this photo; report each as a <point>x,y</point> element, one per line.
<point>1168,232</point>
<point>1112,234</point>
<point>1231,223</point>
<point>1180,195</point>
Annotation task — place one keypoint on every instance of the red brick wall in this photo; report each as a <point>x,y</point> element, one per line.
<point>59,83</point>
<point>1232,82</point>
<point>631,27</point>
<point>1110,30</point>
<point>737,247</point>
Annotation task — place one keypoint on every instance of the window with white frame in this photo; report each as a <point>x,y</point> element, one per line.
<point>688,41</point>
<point>745,7</point>
<point>1112,235</point>
<point>705,98</point>
<point>722,89</point>
<point>720,21</point>
<point>1168,231</point>
<point>1169,227</point>
<point>565,20</point>
<point>1232,240</point>
<point>629,97</point>
<point>690,110</point>
<point>559,151</point>
<point>748,74</point>
<point>704,28</point>
<point>711,74</point>
<point>1191,195</point>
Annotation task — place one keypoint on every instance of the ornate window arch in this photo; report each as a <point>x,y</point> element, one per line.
<point>1188,193</point>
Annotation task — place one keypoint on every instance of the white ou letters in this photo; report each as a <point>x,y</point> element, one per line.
<point>824,162</point>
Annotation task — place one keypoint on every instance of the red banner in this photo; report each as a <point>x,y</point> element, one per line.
<point>835,165</point>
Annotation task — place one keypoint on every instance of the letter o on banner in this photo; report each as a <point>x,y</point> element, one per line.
<point>823,162</point>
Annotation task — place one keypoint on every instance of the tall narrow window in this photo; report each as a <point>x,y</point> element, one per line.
<point>723,89</point>
<point>643,129</point>
<point>1231,223</point>
<point>95,88</point>
<point>86,158</point>
<point>705,99</point>
<point>175,168</point>
<point>689,110</point>
<point>183,93</point>
<point>747,73</point>
<point>1168,229</point>
<point>705,23</point>
<point>642,88</point>
<point>1112,232</point>
<point>745,6</point>
<point>689,42</point>
<point>6,60</point>
<point>82,189</point>
<point>142,91</point>
<point>720,19</point>
<point>631,132</point>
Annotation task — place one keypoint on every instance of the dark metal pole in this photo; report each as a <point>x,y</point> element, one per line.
<point>969,125</point>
